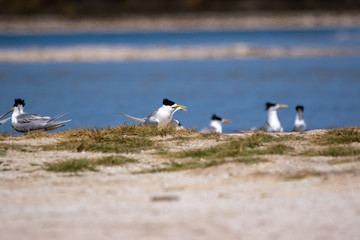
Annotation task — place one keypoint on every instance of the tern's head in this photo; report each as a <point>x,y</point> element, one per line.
<point>18,107</point>
<point>19,102</point>
<point>217,118</point>
<point>274,107</point>
<point>172,105</point>
<point>299,108</point>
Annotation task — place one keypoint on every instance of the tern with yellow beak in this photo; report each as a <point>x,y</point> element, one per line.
<point>25,122</point>
<point>161,117</point>
<point>273,123</point>
<point>215,124</point>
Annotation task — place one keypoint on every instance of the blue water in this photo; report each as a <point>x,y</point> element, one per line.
<point>94,93</point>
<point>337,37</point>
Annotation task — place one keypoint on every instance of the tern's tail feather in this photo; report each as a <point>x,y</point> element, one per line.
<point>52,125</point>
<point>141,120</point>
<point>59,116</point>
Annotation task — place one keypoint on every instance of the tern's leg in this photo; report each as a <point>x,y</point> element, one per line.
<point>11,133</point>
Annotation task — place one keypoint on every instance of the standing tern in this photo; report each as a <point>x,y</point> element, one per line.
<point>273,123</point>
<point>299,125</point>
<point>215,124</point>
<point>161,117</point>
<point>25,122</point>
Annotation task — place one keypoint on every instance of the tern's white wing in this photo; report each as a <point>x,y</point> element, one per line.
<point>208,129</point>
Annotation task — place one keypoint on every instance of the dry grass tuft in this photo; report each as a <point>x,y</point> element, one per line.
<point>122,139</point>
<point>339,136</point>
<point>82,164</point>
<point>333,151</point>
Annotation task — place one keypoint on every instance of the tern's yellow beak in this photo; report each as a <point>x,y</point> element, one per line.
<point>4,115</point>
<point>226,121</point>
<point>180,106</point>
<point>283,106</point>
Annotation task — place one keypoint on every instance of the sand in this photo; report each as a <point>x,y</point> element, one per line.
<point>229,201</point>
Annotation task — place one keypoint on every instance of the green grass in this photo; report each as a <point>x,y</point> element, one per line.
<point>102,141</point>
<point>3,136</point>
<point>301,175</point>
<point>344,161</point>
<point>279,149</point>
<point>113,160</point>
<point>176,166</point>
<point>71,166</point>
<point>84,164</point>
<point>333,151</point>
<point>122,139</point>
<point>250,160</point>
<point>339,136</point>
<point>4,147</point>
<point>237,147</point>
<point>173,166</point>
<point>125,130</point>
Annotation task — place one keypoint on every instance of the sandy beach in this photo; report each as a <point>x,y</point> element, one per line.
<point>288,196</point>
<point>181,22</point>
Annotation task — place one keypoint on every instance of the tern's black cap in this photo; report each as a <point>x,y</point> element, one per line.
<point>19,101</point>
<point>214,117</point>
<point>300,108</point>
<point>168,102</point>
<point>269,105</point>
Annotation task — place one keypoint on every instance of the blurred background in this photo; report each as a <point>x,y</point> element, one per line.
<point>96,58</point>
<point>106,8</point>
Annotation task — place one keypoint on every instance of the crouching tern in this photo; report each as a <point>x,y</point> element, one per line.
<point>26,122</point>
<point>215,124</point>
<point>299,125</point>
<point>163,116</point>
<point>273,123</point>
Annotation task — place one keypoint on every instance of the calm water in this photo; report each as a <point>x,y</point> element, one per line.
<point>334,37</point>
<point>94,94</point>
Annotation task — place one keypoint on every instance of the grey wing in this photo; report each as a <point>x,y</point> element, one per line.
<point>299,128</point>
<point>176,124</point>
<point>151,120</point>
<point>29,122</point>
<point>31,118</point>
<point>208,129</point>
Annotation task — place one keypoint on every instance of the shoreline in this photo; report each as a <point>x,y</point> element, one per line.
<point>180,22</point>
<point>96,54</point>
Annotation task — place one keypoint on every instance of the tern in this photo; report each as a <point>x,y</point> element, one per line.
<point>215,124</point>
<point>161,117</point>
<point>273,123</point>
<point>299,125</point>
<point>26,122</point>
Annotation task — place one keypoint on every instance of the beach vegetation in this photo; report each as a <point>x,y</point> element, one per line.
<point>85,164</point>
